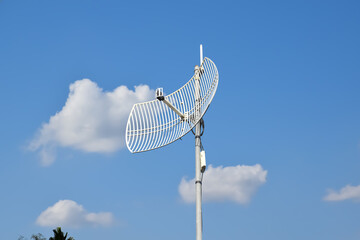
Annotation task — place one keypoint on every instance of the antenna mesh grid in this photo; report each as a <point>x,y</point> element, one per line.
<point>153,124</point>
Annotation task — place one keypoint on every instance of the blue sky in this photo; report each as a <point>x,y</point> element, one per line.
<point>286,111</point>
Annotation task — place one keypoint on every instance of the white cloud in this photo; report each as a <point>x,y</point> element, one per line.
<point>91,120</point>
<point>237,184</point>
<point>70,214</point>
<point>347,192</point>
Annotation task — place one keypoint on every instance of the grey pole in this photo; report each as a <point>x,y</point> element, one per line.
<point>198,183</point>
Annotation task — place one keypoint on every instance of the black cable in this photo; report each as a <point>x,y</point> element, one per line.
<point>192,131</point>
<point>202,123</point>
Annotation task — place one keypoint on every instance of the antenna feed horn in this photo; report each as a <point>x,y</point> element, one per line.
<point>159,94</point>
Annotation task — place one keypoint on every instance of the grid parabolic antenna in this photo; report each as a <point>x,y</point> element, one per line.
<point>154,124</point>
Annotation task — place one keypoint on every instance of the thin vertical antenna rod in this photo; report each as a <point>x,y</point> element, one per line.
<point>198,183</point>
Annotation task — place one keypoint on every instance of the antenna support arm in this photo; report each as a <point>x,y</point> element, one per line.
<point>174,108</point>
<point>162,98</point>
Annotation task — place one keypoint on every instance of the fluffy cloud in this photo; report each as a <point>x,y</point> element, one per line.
<point>91,120</point>
<point>237,184</point>
<point>347,192</point>
<point>70,214</point>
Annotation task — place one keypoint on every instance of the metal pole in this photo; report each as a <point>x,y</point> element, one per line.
<point>198,183</point>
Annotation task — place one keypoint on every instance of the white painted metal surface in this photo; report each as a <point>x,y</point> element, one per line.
<point>202,161</point>
<point>153,124</point>
<point>198,178</point>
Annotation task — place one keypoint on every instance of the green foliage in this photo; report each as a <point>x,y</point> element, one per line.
<point>59,235</point>
<point>38,236</point>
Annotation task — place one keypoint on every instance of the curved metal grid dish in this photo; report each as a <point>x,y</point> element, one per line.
<point>152,124</point>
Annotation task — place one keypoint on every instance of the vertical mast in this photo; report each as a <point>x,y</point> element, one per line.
<point>198,183</point>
